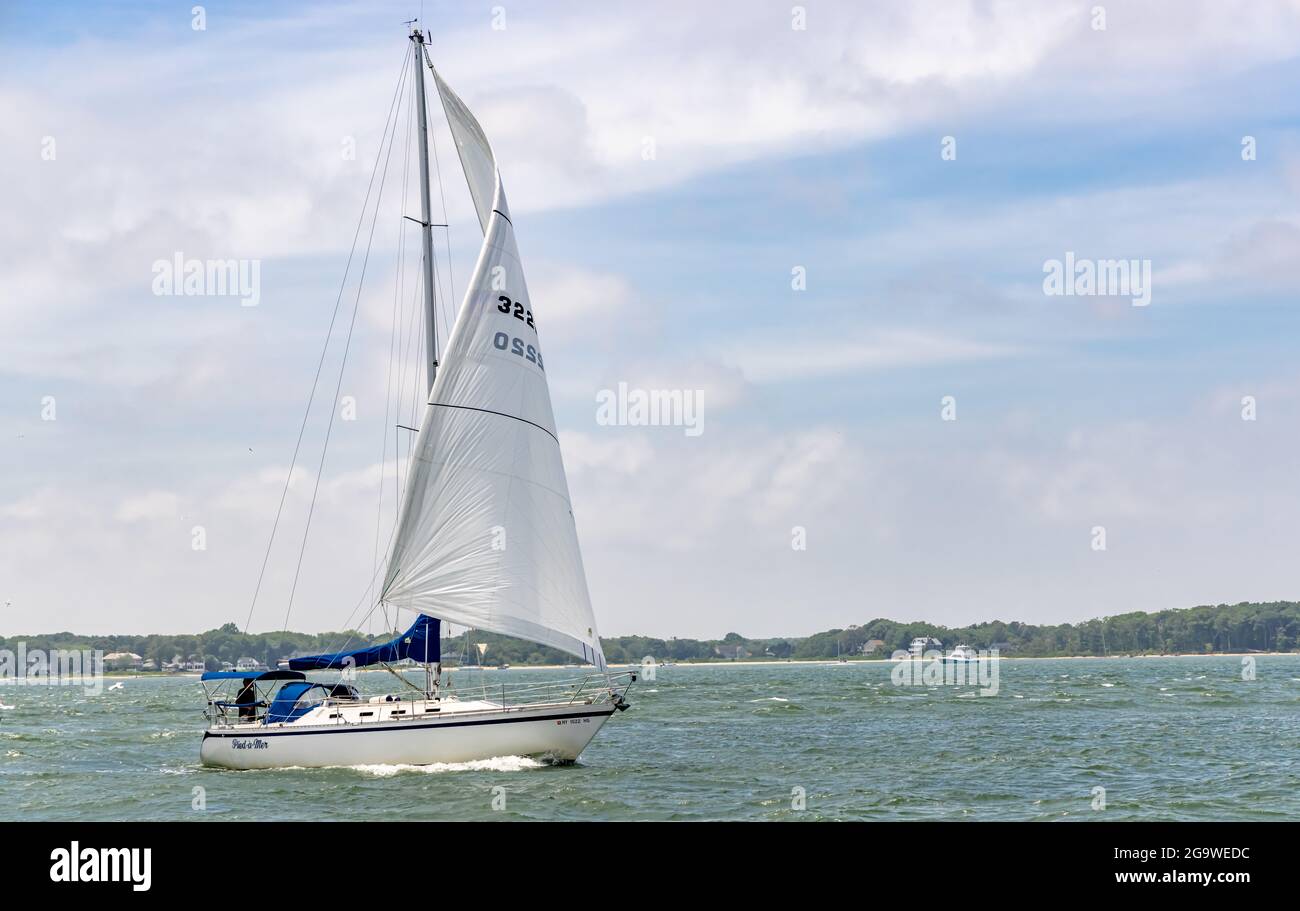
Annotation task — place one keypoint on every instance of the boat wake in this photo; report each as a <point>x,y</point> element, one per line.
<point>495,764</point>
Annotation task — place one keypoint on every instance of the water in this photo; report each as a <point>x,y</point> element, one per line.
<point>1169,739</point>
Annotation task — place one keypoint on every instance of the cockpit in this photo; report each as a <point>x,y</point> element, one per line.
<point>267,697</point>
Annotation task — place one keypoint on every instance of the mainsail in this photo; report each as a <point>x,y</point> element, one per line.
<point>486,536</point>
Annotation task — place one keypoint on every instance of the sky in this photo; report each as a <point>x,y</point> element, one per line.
<point>828,221</point>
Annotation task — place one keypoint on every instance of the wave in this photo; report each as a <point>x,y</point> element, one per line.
<point>496,764</point>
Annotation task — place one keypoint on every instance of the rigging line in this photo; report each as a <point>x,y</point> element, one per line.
<point>390,670</point>
<point>448,304</point>
<point>446,222</point>
<point>360,601</point>
<point>404,360</point>
<point>416,373</point>
<point>297,446</point>
<point>329,427</point>
<point>392,344</point>
<point>392,534</point>
<point>363,599</point>
<point>404,346</point>
<point>412,338</point>
<point>411,345</point>
<point>416,362</point>
<point>397,412</point>
<point>399,388</point>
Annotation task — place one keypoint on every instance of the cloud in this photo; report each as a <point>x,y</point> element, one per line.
<point>677,493</point>
<point>29,508</point>
<point>776,357</point>
<point>587,452</point>
<point>229,143</point>
<point>576,304</point>
<point>1250,252</point>
<point>155,504</point>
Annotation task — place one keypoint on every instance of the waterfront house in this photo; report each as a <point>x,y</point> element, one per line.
<point>731,652</point>
<point>123,661</point>
<point>923,644</point>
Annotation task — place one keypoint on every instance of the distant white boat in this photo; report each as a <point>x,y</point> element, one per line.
<point>7,708</point>
<point>117,686</point>
<point>962,654</point>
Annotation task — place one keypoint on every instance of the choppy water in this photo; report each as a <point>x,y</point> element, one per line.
<point>1176,738</point>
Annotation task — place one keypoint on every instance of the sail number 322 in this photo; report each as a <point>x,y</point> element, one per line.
<point>504,341</point>
<point>521,313</point>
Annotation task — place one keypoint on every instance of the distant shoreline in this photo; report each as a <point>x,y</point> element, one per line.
<point>136,675</point>
<point>999,658</point>
<point>1236,630</point>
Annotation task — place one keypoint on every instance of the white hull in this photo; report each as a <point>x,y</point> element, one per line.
<point>554,732</point>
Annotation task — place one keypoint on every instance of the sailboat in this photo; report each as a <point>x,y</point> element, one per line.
<point>486,459</point>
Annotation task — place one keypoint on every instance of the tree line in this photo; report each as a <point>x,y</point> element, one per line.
<point>1246,627</point>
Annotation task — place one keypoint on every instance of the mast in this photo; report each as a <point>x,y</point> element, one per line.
<point>426,229</point>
